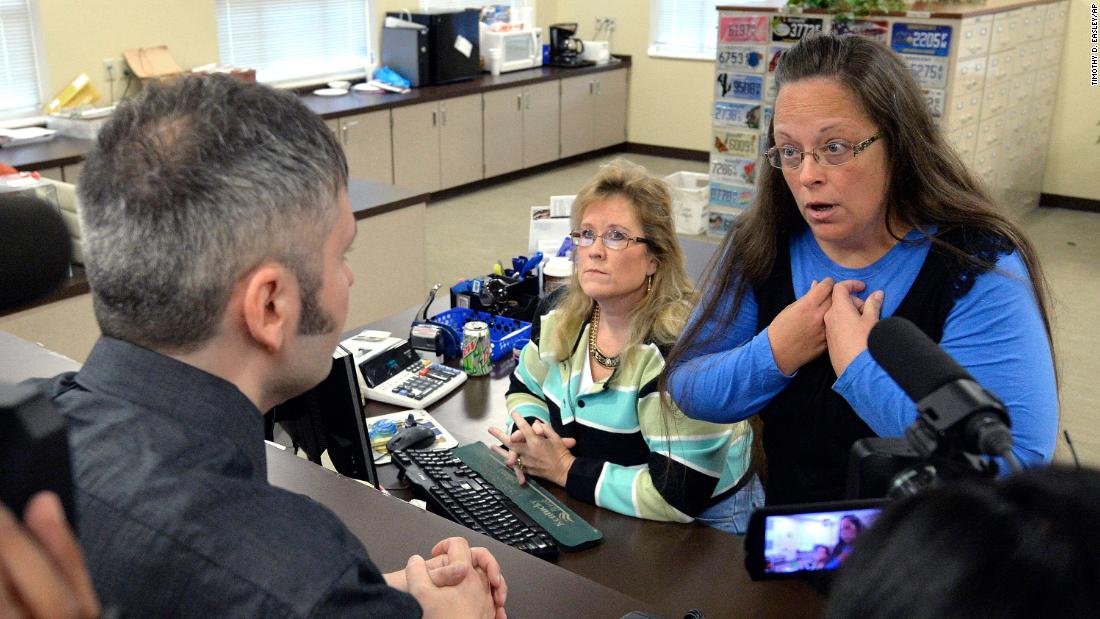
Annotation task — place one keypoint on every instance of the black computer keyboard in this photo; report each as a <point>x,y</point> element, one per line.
<point>460,494</point>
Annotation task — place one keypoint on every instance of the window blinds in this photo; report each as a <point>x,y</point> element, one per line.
<point>683,28</point>
<point>295,41</point>
<point>19,93</point>
<point>454,5</point>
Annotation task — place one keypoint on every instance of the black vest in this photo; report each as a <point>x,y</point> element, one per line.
<point>809,428</point>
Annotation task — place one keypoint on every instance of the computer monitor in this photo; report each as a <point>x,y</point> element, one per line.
<point>329,418</point>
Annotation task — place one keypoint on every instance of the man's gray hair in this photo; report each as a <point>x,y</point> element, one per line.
<point>192,185</point>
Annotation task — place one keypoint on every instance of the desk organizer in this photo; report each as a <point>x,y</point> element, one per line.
<point>504,333</point>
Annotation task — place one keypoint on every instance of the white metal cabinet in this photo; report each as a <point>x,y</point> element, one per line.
<point>577,114</point>
<point>416,146</point>
<point>367,144</point>
<point>503,118</point>
<point>610,112</point>
<point>521,127</point>
<point>438,145</point>
<point>460,141</point>
<point>593,111</point>
<point>542,122</point>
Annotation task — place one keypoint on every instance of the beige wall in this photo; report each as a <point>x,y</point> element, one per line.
<point>670,100</point>
<point>78,35</point>
<point>1073,160</point>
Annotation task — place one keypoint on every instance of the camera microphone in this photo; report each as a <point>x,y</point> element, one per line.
<point>951,405</point>
<point>35,250</point>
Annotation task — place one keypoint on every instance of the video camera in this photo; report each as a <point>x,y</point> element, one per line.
<point>959,427</point>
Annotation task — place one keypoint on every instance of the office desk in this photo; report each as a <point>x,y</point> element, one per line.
<point>672,567</point>
<point>392,530</point>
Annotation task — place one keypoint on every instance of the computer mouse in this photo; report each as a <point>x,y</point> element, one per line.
<point>412,437</point>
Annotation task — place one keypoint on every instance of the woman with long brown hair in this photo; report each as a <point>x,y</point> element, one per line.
<point>864,212</point>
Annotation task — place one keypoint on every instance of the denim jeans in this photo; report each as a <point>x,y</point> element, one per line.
<point>732,513</point>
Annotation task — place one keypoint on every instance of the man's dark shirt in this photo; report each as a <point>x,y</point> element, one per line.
<point>176,516</point>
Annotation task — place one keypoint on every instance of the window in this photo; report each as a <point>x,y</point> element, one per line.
<point>683,29</point>
<point>295,42</point>
<point>454,5</point>
<point>19,90</point>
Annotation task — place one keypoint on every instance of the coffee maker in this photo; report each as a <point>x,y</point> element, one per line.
<point>565,49</point>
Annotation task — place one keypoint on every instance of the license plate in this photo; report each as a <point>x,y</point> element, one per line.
<point>931,72</point>
<point>733,170</point>
<point>934,98</point>
<point>921,39</point>
<point>876,29</point>
<point>730,114</point>
<point>742,29</point>
<point>788,29</point>
<point>731,195</point>
<point>740,58</point>
<point>767,123</point>
<point>739,86</point>
<point>770,91</point>
<point>737,143</point>
<point>773,57</point>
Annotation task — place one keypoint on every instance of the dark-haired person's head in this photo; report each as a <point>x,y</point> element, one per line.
<point>1025,547</point>
<point>193,190</point>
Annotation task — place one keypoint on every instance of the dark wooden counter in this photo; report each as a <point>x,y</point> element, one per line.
<point>59,151</point>
<point>359,103</point>
<point>63,150</point>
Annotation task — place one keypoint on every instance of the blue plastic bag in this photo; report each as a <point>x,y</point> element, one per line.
<point>387,75</point>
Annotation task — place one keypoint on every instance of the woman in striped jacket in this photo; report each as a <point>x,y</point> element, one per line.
<point>584,409</point>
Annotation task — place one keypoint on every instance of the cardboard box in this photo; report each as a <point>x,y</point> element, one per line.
<point>148,63</point>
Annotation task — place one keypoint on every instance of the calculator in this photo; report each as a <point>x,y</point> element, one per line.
<point>398,376</point>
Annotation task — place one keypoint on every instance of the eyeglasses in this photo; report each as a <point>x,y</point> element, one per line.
<point>612,239</point>
<point>835,153</point>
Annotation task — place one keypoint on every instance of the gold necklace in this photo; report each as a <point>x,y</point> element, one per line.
<point>608,362</point>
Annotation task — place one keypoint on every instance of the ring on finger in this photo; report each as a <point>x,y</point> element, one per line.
<point>519,462</point>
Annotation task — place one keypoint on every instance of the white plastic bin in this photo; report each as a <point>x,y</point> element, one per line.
<point>690,195</point>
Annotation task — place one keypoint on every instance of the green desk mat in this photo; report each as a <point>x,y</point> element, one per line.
<point>568,529</point>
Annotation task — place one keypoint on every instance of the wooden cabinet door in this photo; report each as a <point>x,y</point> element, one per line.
<point>577,94</point>
<point>541,123</point>
<point>416,146</point>
<point>368,146</point>
<point>461,153</point>
<point>610,109</point>
<point>504,134</point>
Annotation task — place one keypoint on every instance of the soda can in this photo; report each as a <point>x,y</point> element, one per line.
<point>476,348</point>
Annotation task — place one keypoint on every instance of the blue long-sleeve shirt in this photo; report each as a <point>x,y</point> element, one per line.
<point>995,331</point>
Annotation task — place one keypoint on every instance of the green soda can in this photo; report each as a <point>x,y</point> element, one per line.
<point>476,348</point>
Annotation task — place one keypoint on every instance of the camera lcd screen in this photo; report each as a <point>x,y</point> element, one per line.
<point>801,541</point>
<point>812,541</point>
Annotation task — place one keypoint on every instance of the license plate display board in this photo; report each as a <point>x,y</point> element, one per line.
<point>739,86</point>
<point>921,39</point>
<point>740,59</point>
<point>743,29</point>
